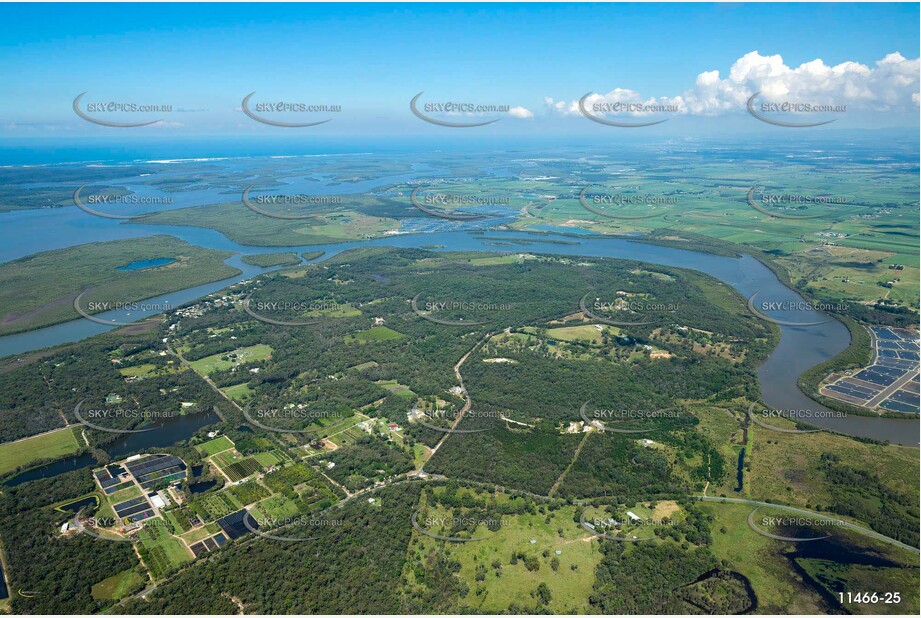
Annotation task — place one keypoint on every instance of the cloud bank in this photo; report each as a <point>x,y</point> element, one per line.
<point>891,85</point>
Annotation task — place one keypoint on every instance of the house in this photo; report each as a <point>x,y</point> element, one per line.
<point>633,516</point>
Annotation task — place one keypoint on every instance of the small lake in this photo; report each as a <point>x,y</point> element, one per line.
<point>143,264</point>
<point>166,433</point>
<point>76,507</point>
<point>202,487</point>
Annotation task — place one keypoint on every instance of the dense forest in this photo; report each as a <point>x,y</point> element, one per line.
<point>57,571</point>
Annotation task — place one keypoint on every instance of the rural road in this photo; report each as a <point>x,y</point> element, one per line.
<point>469,402</point>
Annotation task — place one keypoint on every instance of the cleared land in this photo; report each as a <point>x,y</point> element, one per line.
<point>50,445</point>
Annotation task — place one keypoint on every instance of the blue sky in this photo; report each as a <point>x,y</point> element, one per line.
<point>372,58</point>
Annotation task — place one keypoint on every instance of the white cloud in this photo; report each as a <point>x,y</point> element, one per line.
<point>892,84</point>
<point>521,112</point>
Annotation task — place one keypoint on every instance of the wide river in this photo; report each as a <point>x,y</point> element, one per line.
<point>800,347</point>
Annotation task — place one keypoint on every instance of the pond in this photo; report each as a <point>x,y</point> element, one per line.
<point>143,264</point>
<point>166,433</point>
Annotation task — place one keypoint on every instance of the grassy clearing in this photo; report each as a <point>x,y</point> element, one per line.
<point>161,552</point>
<point>193,536</point>
<point>46,446</point>
<point>221,443</point>
<point>363,366</point>
<point>267,459</point>
<point>585,332</point>
<point>767,564</point>
<point>238,392</point>
<point>226,360</point>
<point>347,436</point>
<point>376,333</point>
<point>785,467</point>
<point>118,585</point>
<point>145,370</point>
<point>275,507</point>
<point>132,491</point>
<point>400,390</point>
<point>498,260</point>
<point>570,585</point>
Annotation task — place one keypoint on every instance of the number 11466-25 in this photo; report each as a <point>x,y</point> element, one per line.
<point>870,598</point>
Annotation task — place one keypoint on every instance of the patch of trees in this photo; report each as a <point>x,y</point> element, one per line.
<point>59,570</point>
<point>353,568</point>
<point>33,397</point>
<point>641,578</point>
<point>529,460</point>
<point>863,495</point>
<point>370,459</point>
